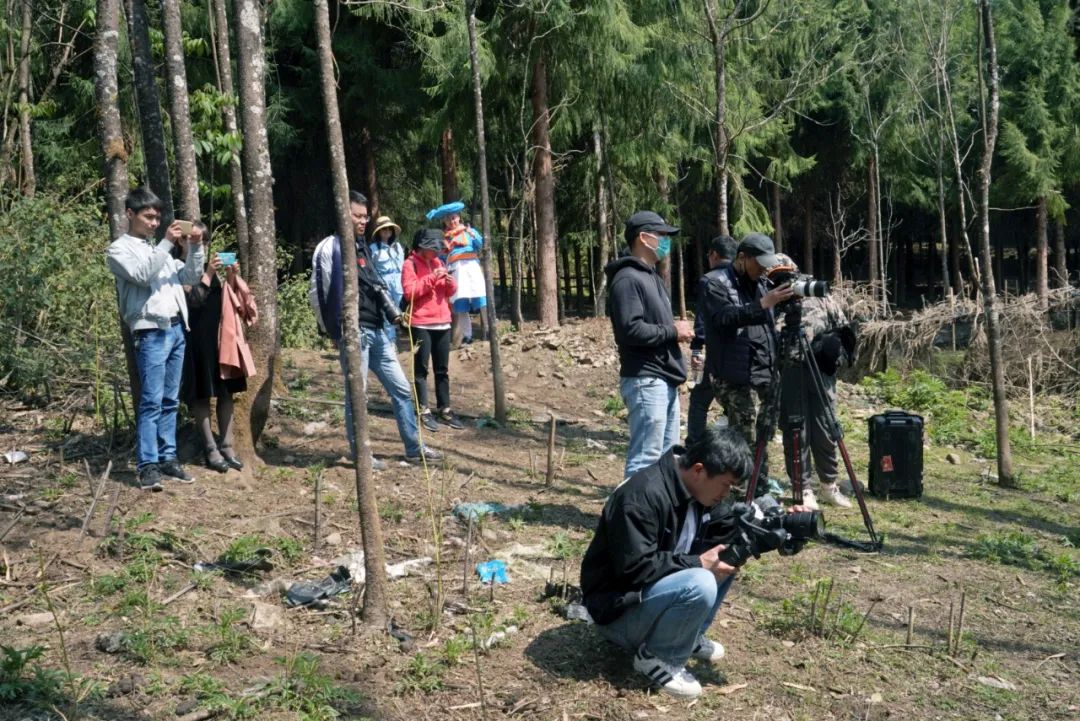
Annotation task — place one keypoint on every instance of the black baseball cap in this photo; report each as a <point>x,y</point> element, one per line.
<point>428,239</point>
<point>648,222</point>
<point>761,247</point>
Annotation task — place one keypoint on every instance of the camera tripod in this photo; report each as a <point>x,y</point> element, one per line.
<point>794,355</point>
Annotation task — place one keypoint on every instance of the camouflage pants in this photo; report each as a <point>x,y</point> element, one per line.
<point>749,410</point>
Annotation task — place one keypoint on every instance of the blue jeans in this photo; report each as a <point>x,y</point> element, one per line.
<point>654,419</point>
<point>379,354</point>
<point>159,355</point>
<point>673,612</point>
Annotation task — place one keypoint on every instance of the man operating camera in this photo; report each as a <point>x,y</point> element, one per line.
<point>645,582</point>
<point>741,341</point>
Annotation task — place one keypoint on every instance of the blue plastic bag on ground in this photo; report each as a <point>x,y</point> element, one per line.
<point>492,572</point>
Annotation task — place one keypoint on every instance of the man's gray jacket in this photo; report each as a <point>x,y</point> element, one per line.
<point>149,281</point>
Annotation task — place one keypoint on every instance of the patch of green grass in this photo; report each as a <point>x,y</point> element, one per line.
<point>454,648</point>
<point>230,643</point>
<point>391,512</point>
<point>420,675</point>
<point>613,405</point>
<point>306,691</point>
<point>1016,548</point>
<point>22,681</point>
<point>156,638</point>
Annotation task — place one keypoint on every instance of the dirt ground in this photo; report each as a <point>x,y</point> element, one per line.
<point>133,632</point>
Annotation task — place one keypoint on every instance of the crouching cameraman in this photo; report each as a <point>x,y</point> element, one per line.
<point>643,584</point>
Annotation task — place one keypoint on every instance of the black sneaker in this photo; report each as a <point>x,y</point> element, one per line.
<point>428,419</point>
<point>173,469</point>
<point>150,478</point>
<point>429,454</point>
<point>447,416</point>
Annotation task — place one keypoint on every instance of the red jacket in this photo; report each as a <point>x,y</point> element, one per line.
<point>428,295</point>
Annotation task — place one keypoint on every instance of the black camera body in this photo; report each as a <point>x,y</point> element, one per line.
<point>802,285</point>
<point>760,527</point>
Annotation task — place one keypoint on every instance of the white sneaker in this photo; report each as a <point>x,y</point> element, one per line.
<point>673,680</point>
<point>708,650</point>
<point>809,499</point>
<point>832,494</point>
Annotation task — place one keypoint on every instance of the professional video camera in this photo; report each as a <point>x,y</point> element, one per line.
<point>760,527</point>
<point>802,285</point>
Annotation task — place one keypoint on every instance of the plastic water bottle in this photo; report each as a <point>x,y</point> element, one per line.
<point>697,367</point>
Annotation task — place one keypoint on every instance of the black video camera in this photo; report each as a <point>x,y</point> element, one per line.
<point>760,527</point>
<point>802,285</point>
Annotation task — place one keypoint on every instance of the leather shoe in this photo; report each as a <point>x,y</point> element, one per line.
<point>231,459</point>
<point>215,462</point>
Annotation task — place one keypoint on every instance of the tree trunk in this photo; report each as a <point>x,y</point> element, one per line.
<point>808,235</point>
<point>236,174</point>
<point>872,224</point>
<point>560,263</point>
<point>187,175</point>
<point>955,251</point>
<point>599,276</point>
<point>500,258</point>
<point>943,232</point>
<point>375,589</point>
<point>448,165</point>
<point>146,95</point>
<point>547,281</point>
<point>720,138</point>
<point>663,268</point>
<point>371,179</point>
<point>113,151</point>
<point>499,382</point>
<point>990,108</point>
<point>579,280</point>
<point>253,407</point>
<point>517,265</point>
<point>26,150</point>
<point>1042,248</point>
<point>1061,267</point>
<point>777,218</point>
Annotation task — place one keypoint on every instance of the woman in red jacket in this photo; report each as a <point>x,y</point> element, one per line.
<point>428,288</point>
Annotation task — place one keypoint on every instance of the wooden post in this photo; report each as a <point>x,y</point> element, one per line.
<point>318,507</point>
<point>910,624</point>
<point>1031,397</point>
<point>551,453</point>
<point>960,623</point>
<point>952,612</point>
<point>465,566</point>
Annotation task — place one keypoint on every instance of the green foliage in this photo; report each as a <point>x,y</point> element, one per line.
<point>297,322</point>
<point>155,638</point>
<point>422,675</point>
<point>230,643</point>
<point>22,683</point>
<point>58,317</point>
<point>1017,548</point>
<point>948,412</point>
<point>305,690</point>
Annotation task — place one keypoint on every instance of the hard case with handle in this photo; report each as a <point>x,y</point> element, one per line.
<point>896,455</point>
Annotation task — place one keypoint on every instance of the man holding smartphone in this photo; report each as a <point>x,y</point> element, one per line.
<point>149,288</point>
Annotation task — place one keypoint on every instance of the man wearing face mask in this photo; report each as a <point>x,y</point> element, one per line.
<point>741,342</point>
<point>651,365</point>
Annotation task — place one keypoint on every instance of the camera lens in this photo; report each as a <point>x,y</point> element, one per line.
<point>810,288</point>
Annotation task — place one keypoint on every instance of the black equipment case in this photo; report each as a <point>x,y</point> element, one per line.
<point>896,455</point>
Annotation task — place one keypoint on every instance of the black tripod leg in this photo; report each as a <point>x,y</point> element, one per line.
<point>856,488</point>
<point>796,467</point>
<point>759,454</point>
<point>836,435</point>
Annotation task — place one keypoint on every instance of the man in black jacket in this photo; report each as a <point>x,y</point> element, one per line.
<point>642,585</point>
<point>741,342</point>
<point>651,366</point>
<point>722,249</point>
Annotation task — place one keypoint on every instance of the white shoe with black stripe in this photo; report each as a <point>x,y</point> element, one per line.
<point>673,680</point>
<point>708,650</point>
